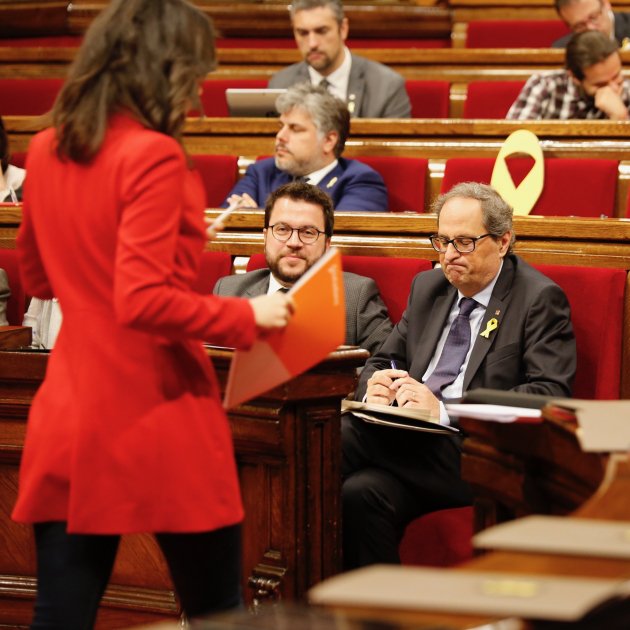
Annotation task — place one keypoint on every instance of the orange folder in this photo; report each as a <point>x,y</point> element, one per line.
<point>317,327</point>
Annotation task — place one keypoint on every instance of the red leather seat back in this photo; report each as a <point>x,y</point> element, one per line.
<point>28,97</point>
<point>573,187</point>
<point>405,179</point>
<point>219,174</point>
<point>214,265</point>
<point>514,33</point>
<point>429,99</point>
<point>596,296</point>
<point>490,99</point>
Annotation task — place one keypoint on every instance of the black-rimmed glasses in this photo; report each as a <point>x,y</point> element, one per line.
<point>463,244</point>
<point>283,232</point>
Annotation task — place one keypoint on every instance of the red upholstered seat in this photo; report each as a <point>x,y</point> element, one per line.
<point>438,539</point>
<point>514,33</point>
<point>596,296</point>
<point>65,41</point>
<point>490,99</point>
<point>405,179</point>
<point>219,174</point>
<point>18,159</point>
<point>213,94</point>
<point>28,97</point>
<point>573,187</point>
<point>393,276</point>
<point>16,306</point>
<point>429,99</point>
<point>214,265</point>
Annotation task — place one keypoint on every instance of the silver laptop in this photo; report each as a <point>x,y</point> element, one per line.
<point>252,102</point>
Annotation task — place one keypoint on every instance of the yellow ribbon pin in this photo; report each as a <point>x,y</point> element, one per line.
<point>492,324</point>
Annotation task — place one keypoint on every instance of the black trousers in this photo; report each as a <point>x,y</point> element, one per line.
<point>392,476</point>
<point>73,571</point>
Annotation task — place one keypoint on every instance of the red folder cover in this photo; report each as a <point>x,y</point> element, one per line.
<point>317,327</point>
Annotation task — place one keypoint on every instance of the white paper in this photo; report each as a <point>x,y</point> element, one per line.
<point>495,413</point>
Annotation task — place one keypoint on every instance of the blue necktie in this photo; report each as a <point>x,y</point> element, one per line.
<point>454,351</point>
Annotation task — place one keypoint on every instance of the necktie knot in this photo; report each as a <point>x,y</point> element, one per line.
<point>325,83</point>
<point>466,306</point>
<point>283,290</point>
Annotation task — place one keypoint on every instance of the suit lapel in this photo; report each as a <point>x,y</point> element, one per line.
<point>260,287</point>
<point>330,181</point>
<point>356,87</point>
<point>497,307</point>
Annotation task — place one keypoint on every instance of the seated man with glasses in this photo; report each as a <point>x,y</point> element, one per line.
<point>299,221</point>
<point>592,15</point>
<point>484,319</point>
<point>590,87</point>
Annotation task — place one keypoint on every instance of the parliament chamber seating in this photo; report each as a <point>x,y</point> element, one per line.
<point>429,99</point>
<point>405,179</point>
<point>490,99</point>
<point>573,187</point>
<point>219,174</point>
<point>514,33</point>
<point>214,265</point>
<point>28,97</point>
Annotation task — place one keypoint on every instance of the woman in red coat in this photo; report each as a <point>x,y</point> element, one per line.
<point>127,433</point>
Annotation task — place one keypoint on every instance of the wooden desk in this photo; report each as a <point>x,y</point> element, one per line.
<point>288,453</point>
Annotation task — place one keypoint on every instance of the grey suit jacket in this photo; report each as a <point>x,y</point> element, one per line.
<point>532,350</point>
<point>4,297</point>
<point>374,90</point>
<point>367,320</point>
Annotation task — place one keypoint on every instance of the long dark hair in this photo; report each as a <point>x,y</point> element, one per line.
<point>142,56</point>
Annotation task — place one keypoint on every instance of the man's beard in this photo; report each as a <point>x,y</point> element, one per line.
<point>289,278</point>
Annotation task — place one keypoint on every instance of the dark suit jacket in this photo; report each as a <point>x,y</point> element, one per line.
<point>532,350</point>
<point>374,90</point>
<point>352,185</point>
<point>367,320</point>
<point>622,30</point>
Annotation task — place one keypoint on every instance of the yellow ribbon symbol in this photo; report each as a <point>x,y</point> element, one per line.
<point>492,324</point>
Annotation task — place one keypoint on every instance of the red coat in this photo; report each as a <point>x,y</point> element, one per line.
<point>127,433</point>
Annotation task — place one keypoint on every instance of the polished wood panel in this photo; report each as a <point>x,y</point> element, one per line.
<point>288,452</point>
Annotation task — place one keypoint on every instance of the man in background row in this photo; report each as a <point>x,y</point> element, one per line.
<point>370,89</point>
<point>314,126</point>
<point>590,87</point>
<point>299,220</point>
<point>592,15</point>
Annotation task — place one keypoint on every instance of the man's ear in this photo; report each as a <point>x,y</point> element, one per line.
<point>344,29</point>
<point>505,243</point>
<point>330,142</point>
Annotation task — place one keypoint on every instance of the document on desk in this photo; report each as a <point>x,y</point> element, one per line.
<point>466,592</point>
<point>397,417</point>
<point>559,535</point>
<point>494,413</point>
<point>317,327</point>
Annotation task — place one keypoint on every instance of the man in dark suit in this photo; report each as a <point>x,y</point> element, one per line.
<point>592,15</point>
<point>314,126</point>
<point>370,89</point>
<point>299,221</point>
<point>485,319</point>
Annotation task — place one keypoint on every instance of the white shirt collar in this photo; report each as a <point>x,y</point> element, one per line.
<point>274,285</point>
<point>317,176</point>
<point>338,79</point>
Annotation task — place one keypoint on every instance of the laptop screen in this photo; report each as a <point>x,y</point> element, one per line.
<point>252,102</point>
